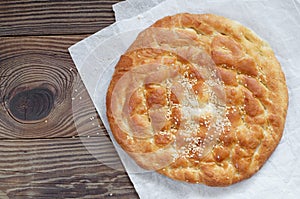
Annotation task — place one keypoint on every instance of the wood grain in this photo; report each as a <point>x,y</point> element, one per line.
<point>46,17</point>
<point>52,141</point>
<point>79,161</point>
<point>38,81</point>
<point>62,168</point>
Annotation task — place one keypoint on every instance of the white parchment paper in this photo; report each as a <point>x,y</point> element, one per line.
<point>131,8</point>
<point>276,21</point>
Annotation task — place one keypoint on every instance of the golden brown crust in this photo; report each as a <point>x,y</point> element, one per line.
<point>254,87</point>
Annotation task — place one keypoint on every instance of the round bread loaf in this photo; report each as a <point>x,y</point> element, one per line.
<point>198,98</point>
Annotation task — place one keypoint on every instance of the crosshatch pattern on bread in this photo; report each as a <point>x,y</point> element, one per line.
<point>198,98</point>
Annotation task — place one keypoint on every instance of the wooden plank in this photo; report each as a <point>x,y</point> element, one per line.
<point>41,93</point>
<point>47,17</point>
<point>52,142</point>
<point>62,168</point>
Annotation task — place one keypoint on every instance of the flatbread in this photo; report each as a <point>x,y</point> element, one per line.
<point>198,98</point>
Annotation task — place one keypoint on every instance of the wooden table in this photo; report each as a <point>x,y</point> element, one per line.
<point>52,142</point>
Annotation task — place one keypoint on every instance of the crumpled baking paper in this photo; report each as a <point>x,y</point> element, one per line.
<point>131,8</point>
<point>276,21</point>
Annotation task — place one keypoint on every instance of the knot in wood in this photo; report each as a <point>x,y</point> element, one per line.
<point>31,105</point>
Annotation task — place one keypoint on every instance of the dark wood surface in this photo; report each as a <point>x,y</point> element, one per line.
<point>52,142</point>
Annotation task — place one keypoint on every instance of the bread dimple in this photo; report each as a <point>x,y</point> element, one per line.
<point>255,92</point>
